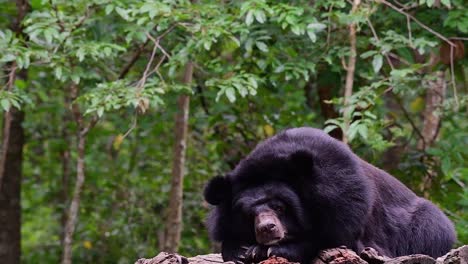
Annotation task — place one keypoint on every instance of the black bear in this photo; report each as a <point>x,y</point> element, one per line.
<point>302,191</point>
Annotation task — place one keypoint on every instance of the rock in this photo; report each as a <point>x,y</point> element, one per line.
<point>164,258</point>
<point>455,256</point>
<point>277,260</point>
<point>340,255</point>
<point>412,259</point>
<point>372,256</point>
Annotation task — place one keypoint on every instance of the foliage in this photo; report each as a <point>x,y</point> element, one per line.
<point>260,67</point>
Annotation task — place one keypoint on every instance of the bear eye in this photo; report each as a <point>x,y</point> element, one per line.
<point>278,208</point>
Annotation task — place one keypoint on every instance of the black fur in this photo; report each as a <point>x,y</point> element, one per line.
<point>336,199</point>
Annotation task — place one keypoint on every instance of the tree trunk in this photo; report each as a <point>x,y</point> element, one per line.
<point>326,84</point>
<point>65,157</point>
<point>174,216</point>
<point>11,162</point>
<point>80,178</point>
<point>435,95</point>
<point>75,204</point>
<point>10,192</point>
<point>350,68</point>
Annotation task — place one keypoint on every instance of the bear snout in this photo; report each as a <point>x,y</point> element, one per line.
<point>268,228</point>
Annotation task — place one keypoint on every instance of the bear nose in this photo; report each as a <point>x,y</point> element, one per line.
<point>267,228</point>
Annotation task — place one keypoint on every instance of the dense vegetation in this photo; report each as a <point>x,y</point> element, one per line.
<point>116,67</point>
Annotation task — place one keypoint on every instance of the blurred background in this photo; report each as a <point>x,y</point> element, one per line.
<point>112,110</point>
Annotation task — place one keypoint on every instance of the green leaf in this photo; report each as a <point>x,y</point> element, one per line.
<point>20,62</point>
<point>249,18</point>
<point>5,104</point>
<point>370,115</point>
<point>297,30</point>
<point>142,20</point>
<point>100,111</point>
<point>80,54</point>
<point>109,9</point>
<point>20,84</point>
<point>446,165</point>
<point>353,129</point>
<point>8,57</point>
<point>261,46</point>
<point>147,7</point>
<point>230,93</point>
<point>260,16</point>
<point>75,78</point>
<point>446,3</point>
<point>235,40</point>
<point>207,45</point>
<point>253,82</point>
<point>329,128</point>
<point>316,27</point>
<point>241,89</point>
<point>26,61</point>
<point>123,13</point>
<point>58,72</point>
<point>312,35</point>
<point>363,131</point>
<point>16,104</point>
<point>369,53</point>
<point>48,34</point>
<point>377,63</point>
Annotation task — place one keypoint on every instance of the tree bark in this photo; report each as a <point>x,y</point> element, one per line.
<point>350,68</point>
<point>174,216</point>
<point>65,157</point>
<point>326,84</point>
<point>11,162</point>
<point>75,204</point>
<point>72,216</point>
<point>435,95</point>
<point>10,192</point>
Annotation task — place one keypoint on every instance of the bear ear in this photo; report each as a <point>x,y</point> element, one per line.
<point>217,190</point>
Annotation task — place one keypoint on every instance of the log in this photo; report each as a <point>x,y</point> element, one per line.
<point>455,256</point>
<point>340,255</point>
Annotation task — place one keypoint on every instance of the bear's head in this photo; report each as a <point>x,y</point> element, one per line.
<point>267,213</point>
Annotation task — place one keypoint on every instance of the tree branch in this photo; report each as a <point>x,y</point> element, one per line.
<point>157,46</point>
<point>7,124</point>
<point>133,60</point>
<point>76,26</point>
<point>407,116</point>
<point>437,34</point>
<point>378,39</point>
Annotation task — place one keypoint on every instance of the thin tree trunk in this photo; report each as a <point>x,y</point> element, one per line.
<point>350,68</point>
<point>325,85</point>
<point>10,192</point>
<point>75,204</point>
<point>65,157</point>
<point>72,216</point>
<point>435,95</point>
<point>174,216</point>
<point>5,143</point>
<point>11,162</point>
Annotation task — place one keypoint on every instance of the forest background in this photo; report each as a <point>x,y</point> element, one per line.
<point>107,104</point>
